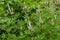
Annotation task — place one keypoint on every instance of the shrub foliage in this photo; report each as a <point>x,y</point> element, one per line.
<point>29,20</point>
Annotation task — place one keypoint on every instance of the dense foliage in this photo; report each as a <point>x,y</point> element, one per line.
<point>29,20</point>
